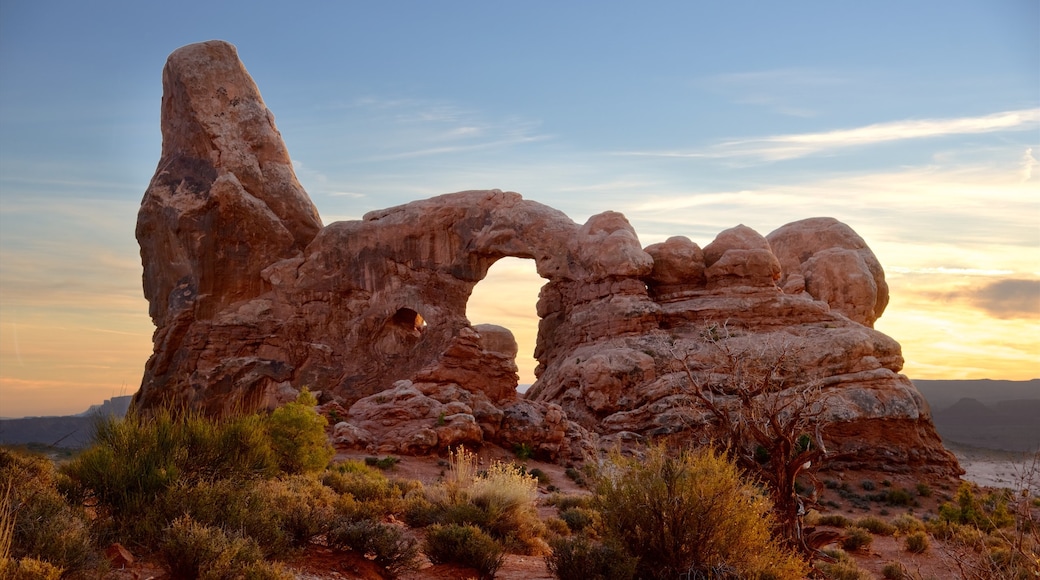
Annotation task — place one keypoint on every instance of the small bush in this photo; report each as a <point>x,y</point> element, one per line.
<point>562,501</point>
<point>40,524</point>
<point>557,527</point>
<point>28,569</point>
<point>541,476</point>
<point>384,464</point>
<point>581,558</point>
<point>575,476</point>
<point>923,490</point>
<point>894,571</point>
<point>834,520</point>
<point>501,501</point>
<point>856,538</point>
<point>876,526</point>
<point>578,519</point>
<point>298,437</point>
<point>386,544</point>
<point>691,511</point>
<point>465,545</point>
<point>193,550</point>
<point>844,570</point>
<point>907,524</point>
<point>916,543</point>
<point>868,485</point>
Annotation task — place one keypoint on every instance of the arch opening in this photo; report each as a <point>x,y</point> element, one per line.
<point>508,297</point>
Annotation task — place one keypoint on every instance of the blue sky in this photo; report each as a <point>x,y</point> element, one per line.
<point>917,123</point>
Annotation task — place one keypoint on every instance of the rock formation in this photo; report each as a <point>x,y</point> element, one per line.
<point>253,299</point>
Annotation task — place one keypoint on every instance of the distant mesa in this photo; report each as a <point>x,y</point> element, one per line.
<point>254,298</point>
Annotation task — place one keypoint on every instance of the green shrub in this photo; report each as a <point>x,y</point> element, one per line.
<point>907,524</point>
<point>689,512</point>
<point>578,519</point>
<point>856,538</point>
<point>575,476</point>
<point>581,558</point>
<point>868,485</point>
<point>876,526</point>
<point>385,544</point>
<point>500,501</point>
<point>194,550</point>
<point>924,490</point>
<point>29,569</point>
<point>39,523</point>
<point>466,545</point>
<point>540,476</point>
<point>916,542</point>
<point>385,463</point>
<point>843,570</point>
<point>563,502</point>
<point>894,571</point>
<point>834,520</point>
<point>298,436</point>
<point>362,482</point>
<point>987,513</point>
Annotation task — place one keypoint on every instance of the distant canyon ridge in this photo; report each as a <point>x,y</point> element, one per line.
<point>253,298</point>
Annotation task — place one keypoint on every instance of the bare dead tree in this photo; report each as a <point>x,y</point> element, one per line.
<point>771,422</point>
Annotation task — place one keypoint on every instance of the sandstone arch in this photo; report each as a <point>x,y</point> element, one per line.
<point>253,298</point>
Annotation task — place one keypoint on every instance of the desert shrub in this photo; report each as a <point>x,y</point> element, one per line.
<point>29,569</point>
<point>923,490</point>
<point>581,558</point>
<point>385,544</point>
<point>843,570</point>
<point>575,476</point>
<point>298,437</point>
<point>563,502</point>
<point>557,527</point>
<point>38,523</point>
<point>466,545</point>
<point>500,501</point>
<point>194,550</point>
<point>834,520</point>
<point>137,459</point>
<point>868,485</point>
<point>578,519</point>
<point>856,538</point>
<point>691,512</point>
<point>916,542</point>
<point>364,483</point>
<point>385,463</point>
<point>894,571</point>
<point>987,513</point>
<point>540,476</point>
<point>907,524</point>
<point>876,526</point>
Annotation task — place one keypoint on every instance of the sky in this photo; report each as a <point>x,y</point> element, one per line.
<point>916,123</point>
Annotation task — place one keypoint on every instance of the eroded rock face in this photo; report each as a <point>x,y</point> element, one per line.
<point>253,299</point>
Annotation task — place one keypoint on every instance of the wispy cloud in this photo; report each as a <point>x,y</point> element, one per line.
<point>781,147</point>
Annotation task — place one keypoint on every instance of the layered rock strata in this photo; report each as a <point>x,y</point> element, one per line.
<point>253,299</point>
